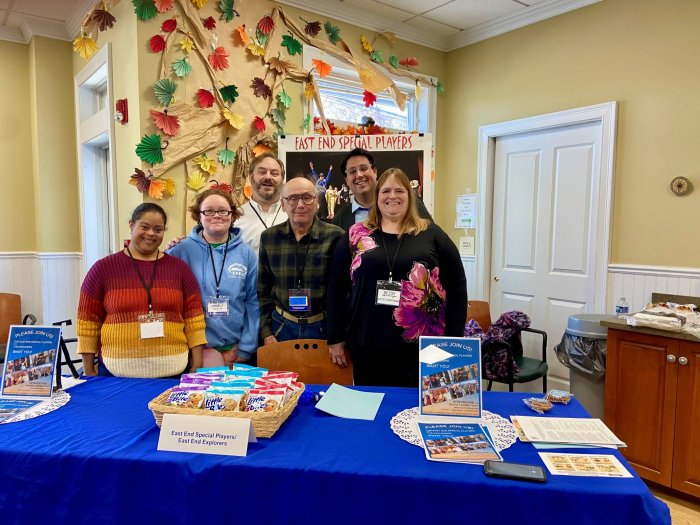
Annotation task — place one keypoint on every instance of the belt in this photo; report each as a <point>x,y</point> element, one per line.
<point>300,320</point>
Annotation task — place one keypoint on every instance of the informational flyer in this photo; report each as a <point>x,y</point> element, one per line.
<point>450,376</point>
<point>457,442</point>
<point>465,216</point>
<point>10,408</point>
<point>569,430</point>
<point>596,465</point>
<point>30,362</point>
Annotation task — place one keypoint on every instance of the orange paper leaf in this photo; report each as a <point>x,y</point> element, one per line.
<point>156,189</point>
<point>219,59</point>
<point>168,124</point>
<point>322,67</point>
<point>242,35</point>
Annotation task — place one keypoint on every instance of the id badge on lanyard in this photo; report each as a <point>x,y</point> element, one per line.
<point>217,306</point>
<point>152,325</point>
<point>388,293</point>
<point>299,300</point>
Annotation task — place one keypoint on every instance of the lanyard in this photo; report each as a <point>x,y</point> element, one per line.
<point>298,274</point>
<point>148,286</point>
<point>386,252</point>
<point>263,220</point>
<point>217,280</point>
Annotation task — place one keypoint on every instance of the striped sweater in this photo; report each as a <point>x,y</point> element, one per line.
<point>112,298</point>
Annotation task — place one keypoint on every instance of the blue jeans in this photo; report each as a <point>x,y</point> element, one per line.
<point>286,330</point>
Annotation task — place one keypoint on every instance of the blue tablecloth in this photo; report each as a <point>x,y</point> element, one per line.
<point>95,461</point>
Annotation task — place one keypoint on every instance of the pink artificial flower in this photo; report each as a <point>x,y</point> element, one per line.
<point>421,310</point>
<point>360,242</point>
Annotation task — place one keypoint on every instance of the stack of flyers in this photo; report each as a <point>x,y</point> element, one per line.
<point>458,443</point>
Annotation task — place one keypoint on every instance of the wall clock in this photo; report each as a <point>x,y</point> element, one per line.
<point>680,186</point>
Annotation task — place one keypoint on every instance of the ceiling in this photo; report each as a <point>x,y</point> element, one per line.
<point>440,24</point>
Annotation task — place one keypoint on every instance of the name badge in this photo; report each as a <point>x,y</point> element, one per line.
<point>299,300</point>
<point>217,306</point>
<point>152,325</point>
<point>388,293</point>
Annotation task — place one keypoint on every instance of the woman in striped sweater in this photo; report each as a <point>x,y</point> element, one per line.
<point>140,310</point>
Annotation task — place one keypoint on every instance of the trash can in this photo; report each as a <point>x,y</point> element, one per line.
<point>582,349</point>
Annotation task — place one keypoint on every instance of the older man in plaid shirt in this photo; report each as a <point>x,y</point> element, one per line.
<point>293,268</point>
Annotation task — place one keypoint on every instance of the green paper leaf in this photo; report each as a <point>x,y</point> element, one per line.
<point>165,91</point>
<point>332,31</point>
<point>285,100</point>
<point>150,149</point>
<point>261,37</point>
<point>278,117</point>
<point>440,88</point>
<point>376,56</point>
<point>307,121</point>
<point>227,10</point>
<point>182,67</point>
<point>394,61</point>
<point>292,44</point>
<point>145,9</point>
<point>225,156</point>
<point>230,93</point>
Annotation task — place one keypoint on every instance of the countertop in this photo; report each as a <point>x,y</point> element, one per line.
<point>621,324</point>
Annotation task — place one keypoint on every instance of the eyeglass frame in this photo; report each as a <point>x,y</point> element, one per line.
<point>293,200</point>
<point>213,213</point>
<point>359,169</point>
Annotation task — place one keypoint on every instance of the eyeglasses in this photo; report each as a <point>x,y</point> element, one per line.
<point>307,198</point>
<point>364,168</point>
<point>220,213</point>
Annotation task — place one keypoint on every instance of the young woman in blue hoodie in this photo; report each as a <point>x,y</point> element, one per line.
<point>226,269</point>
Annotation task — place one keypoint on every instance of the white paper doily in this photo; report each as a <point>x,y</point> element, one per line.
<point>59,399</point>
<point>405,425</point>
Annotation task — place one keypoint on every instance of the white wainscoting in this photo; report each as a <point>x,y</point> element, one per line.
<point>636,283</point>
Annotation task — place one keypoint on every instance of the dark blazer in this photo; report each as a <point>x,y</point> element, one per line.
<point>345,218</point>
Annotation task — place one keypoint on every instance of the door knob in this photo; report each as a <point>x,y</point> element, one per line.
<point>682,361</point>
<point>671,358</point>
<point>496,278</point>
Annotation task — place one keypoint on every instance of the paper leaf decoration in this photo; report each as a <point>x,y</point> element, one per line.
<point>156,189</point>
<point>219,59</point>
<point>199,3</point>
<point>150,149</point>
<point>266,25</point>
<point>227,10</point>
<point>209,23</point>
<point>369,98</point>
<point>85,45</point>
<point>365,44</point>
<point>140,180</point>
<point>259,124</point>
<point>225,156</point>
<point>278,117</point>
<point>307,121</point>
<point>164,5</point>
<point>322,67</point>
<point>186,44</point>
<point>168,124</point>
<point>205,98</point>
<point>157,43</point>
<point>261,37</point>
<point>259,149</point>
<point>169,186</point>
<point>418,89</point>
<point>165,91</point>
<point>221,186</point>
<point>376,56</point>
<point>234,119</point>
<point>278,65</point>
<point>312,28</point>
<point>309,90</point>
<point>144,9</point>
<point>409,61</point>
<point>229,93</point>
<point>205,163</point>
<point>242,34</point>
<point>284,99</point>
<point>103,19</point>
<point>196,180</point>
<point>260,89</point>
<point>169,25</point>
<point>440,88</point>
<point>182,67</point>
<point>248,189</point>
<point>255,49</point>
<point>394,61</point>
<point>292,44</point>
<point>333,32</point>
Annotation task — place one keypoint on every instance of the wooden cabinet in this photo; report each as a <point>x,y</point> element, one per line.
<point>652,403</point>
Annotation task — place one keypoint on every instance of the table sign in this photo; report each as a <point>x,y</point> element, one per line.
<point>459,443</point>
<point>226,436</point>
<point>450,374</point>
<point>30,362</point>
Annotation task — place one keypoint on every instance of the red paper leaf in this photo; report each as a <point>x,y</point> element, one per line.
<point>259,124</point>
<point>169,25</point>
<point>312,28</point>
<point>164,5</point>
<point>369,98</point>
<point>205,98</point>
<point>168,124</point>
<point>219,59</point>
<point>260,88</point>
<point>409,61</point>
<point>209,23</point>
<point>266,25</point>
<point>222,186</point>
<point>157,43</point>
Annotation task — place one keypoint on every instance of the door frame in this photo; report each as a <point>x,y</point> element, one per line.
<point>606,114</point>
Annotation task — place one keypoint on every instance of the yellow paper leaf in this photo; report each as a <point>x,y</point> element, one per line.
<point>199,3</point>
<point>170,186</point>
<point>186,44</point>
<point>156,189</point>
<point>235,120</point>
<point>366,45</point>
<point>206,164</point>
<point>196,181</point>
<point>417,90</point>
<point>309,90</point>
<point>255,49</point>
<point>85,45</point>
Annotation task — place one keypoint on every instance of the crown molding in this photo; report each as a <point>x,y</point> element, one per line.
<point>34,26</point>
<point>75,19</point>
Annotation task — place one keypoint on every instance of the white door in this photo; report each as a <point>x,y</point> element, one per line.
<point>545,230</point>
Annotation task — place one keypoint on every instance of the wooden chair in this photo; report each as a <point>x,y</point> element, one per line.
<point>10,313</point>
<point>308,357</point>
<point>530,368</point>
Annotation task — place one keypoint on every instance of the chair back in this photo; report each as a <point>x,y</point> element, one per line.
<point>480,312</point>
<point>10,313</point>
<point>308,357</point>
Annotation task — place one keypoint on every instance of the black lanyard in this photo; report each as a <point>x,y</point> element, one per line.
<point>299,273</point>
<point>217,280</point>
<point>386,252</point>
<point>261,219</point>
<point>148,286</point>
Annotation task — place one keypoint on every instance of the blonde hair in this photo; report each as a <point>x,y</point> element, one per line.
<point>412,223</point>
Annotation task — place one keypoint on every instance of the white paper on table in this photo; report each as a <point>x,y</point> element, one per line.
<point>432,354</point>
<point>591,465</point>
<point>585,431</point>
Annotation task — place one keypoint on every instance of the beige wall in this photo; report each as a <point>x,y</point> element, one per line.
<point>642,53</point>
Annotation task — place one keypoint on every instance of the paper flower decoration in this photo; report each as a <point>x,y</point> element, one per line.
<point>260,89</point>
<point>332,32</point>
<point>85,45</point>
<point>266,25</point>
<point>145,9</point>
<point>168,124</point>
<point>292,44</point>
<point>227,10</point>
<point>164,5</point>
<point>234,119</point>
<point>205,98</point>
<point>322,67</point>
<point>164,90</point>
<point>259,124</point>
<point>182,67</point>
<point>196,180</point>
<point>229,93</point>
<point>209,23</point>
<point>169,25</point>
<point>219,59</point>
<point>157,43</point>
<point>312,28</point>
<point>150,149</point>
<point>369,98</point>
<point>103,19</point>
<point>205,163</point>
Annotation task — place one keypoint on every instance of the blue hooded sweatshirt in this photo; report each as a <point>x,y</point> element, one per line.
<point>239,281</point>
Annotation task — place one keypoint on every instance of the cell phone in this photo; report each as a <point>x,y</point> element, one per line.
<point>503,469</point>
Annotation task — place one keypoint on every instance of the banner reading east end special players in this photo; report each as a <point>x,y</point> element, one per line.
<point>450,376</point>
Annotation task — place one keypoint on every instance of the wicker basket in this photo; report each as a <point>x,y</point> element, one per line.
<point>264,423</point>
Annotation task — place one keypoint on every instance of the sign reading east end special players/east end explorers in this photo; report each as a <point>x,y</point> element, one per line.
<point>30,362</point>
<point>450,376</point>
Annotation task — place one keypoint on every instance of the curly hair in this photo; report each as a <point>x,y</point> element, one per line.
<point>199,199</point>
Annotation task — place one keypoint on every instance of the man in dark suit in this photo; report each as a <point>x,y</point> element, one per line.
<point>360,174</point>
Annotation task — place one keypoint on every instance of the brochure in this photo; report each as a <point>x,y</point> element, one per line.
<point>450,376</point>
<point>597,465</point>
<point>9,408</point>
<point>563,430</point>
<point>457,442</point>
<point>30,362</point>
